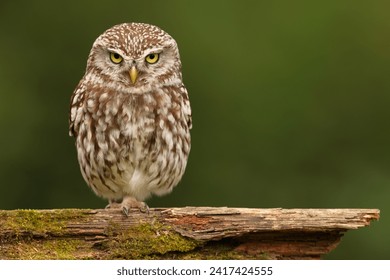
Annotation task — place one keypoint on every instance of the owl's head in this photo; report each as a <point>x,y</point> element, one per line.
<point>135,57</point>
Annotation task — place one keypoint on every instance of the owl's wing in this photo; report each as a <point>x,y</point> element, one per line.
<point>187,107</point>
<point>75,112</point>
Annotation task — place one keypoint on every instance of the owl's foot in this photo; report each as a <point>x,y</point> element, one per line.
<point>112,204</point>
<point>129,202</point>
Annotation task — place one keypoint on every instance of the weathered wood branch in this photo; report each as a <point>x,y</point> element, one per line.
<point>177,233</point>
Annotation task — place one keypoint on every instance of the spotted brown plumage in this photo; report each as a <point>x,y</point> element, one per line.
<point>130,115</point>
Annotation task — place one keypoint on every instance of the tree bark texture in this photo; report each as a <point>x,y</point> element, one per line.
<point>177,233</point>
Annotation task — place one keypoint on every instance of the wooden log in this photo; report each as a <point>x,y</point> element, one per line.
<point>177,233</point>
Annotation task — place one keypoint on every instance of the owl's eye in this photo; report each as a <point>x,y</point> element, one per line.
<point>152,58</point>
<point>115,58</point>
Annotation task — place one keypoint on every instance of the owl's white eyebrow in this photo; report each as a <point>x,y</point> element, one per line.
<point>116,51</point>
<point>154,50</point>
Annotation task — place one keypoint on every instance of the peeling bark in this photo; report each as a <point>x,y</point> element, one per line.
<point>177,233</point>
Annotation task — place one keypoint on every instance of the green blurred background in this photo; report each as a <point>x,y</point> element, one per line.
<point>290,104</point>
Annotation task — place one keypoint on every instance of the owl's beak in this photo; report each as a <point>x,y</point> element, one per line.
<point>133,74</point>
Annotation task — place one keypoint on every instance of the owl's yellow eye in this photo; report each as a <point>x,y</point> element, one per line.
<point>152,58</point>
<point>115,58</point>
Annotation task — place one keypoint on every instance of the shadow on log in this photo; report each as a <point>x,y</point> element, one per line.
<point>177,233</point>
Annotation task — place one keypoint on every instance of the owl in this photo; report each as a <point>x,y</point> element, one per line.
<point>131,117</point>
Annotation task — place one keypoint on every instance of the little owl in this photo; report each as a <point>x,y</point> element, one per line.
<point>131,116</point>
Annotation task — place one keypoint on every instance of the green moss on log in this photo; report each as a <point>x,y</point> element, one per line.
<point>147,241</point>
<point>43,250</point>
<point>34,234</point>
<point>25,223</point>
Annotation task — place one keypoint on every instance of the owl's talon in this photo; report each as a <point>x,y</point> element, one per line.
<point>130,202</point>
<point>112,205</point>
<point>125,211</point>
<point>144,208</point>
